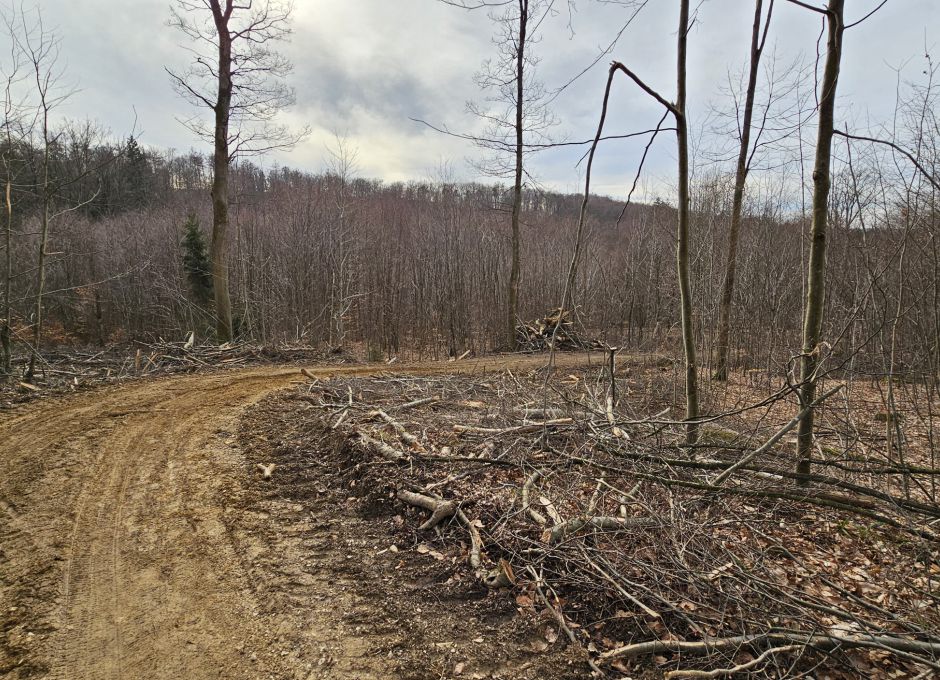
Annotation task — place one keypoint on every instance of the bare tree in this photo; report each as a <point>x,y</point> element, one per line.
<point>758,40</point>
<point>813,348</point>
<point>516,114</point>
<point>11,114</point>
<point>341,243</point>
<point>678,111</point>
<point>239,77</point>
<point>40,51</point>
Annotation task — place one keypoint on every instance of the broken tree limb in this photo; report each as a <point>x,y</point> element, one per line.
<point>551,509</point>
<point>611,420</point>
<point>382,449</point>
<point>778,435</point>
<point>901,646</point>
<point>501,576</point>
<point>516,429</point>
<point>734,670</point>
<point>266,470</point>
<point>400,430</point>
<point>476,543</point>
<point>646,610</point>
<point>536,516</point>
<point>414,404</point>
<point>439,509</point>
<point>560,532</point>
<point>678,646</point>
<point>342,417</point>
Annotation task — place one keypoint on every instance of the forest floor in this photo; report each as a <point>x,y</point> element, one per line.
<point>138,540</point>
<point>572,524</point>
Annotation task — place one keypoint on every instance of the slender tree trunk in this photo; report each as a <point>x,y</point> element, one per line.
<point>682,232</point>
<point>219,245</point>
<point>43,239</point>
<point>737,204</point>
<point>515,270</point>
<point>816,276</point>
<point>6,340</point>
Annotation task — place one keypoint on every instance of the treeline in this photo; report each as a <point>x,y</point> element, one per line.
<point>335,259</point>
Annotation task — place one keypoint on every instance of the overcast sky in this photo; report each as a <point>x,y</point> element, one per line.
<point>363,68</point>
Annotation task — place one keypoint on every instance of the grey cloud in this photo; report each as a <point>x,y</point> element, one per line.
<point>366,66</point>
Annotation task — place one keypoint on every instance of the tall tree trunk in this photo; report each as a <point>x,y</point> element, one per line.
<point>219,245</point>
<point>682,232</point>
<point>6,340</point>
<point>816,276</point>
<point>515,270</point>
<point>740,178</point>
<point>43,239</point>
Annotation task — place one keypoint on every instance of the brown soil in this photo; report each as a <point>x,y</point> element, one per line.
<point>136,541</point>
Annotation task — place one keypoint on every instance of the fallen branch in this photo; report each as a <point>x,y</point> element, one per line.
<point>678,646</point>
<point>400,430</point>
<point>734,670</point>
<point>901,646</point>
<point>646,610</point>
<point>439,509</point>
<point>414,404</point>
<point>382,449</point>
<point>560,532</point>
<point>536,516</point>
<point>778,435</point>
<point>476,543</point>
<point>516,429</point>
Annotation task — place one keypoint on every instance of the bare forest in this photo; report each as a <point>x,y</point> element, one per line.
<point>266,418</point>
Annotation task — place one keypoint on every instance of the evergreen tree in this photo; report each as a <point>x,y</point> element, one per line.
<point>196,261</point>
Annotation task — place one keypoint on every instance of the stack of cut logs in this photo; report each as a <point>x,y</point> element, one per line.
<point>537,335</point>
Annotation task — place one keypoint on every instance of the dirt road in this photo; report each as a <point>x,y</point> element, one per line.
<point>115,561</point>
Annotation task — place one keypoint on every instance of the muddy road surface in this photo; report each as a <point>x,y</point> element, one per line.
<point>117,559</point>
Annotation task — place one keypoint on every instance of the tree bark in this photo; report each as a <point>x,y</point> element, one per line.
<point>6,341</point>
<point>816,276</point>
<point>682,232</point>
<point>219,245</point>
<point>43,239</point>
<point>737,203</point>
<point>515,270</point>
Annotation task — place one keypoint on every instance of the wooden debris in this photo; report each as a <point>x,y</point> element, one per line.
<point>382,449</point>
<point>517,429</point>
<point>501,576</point>
<point>440,509</point>
<point>416,403</point>
<point>537,335</point>
<point>560,532</point>
<point>403,434</point>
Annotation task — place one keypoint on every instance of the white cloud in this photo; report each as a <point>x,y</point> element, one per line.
<point>365,67</point>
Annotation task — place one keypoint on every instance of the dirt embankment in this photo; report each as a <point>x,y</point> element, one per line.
<point>131,542</point>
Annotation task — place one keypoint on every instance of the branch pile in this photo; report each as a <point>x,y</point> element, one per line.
<point>706,562</point>
<point>537,335</point>
<point>67,369</point>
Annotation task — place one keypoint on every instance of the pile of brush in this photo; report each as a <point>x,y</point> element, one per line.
<point>538,335</point>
